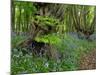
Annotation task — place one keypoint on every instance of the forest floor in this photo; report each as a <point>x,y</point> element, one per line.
<point>78,54</point>
<point>88,61</point>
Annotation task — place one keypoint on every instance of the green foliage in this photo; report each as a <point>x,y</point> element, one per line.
<point>23,13</point>
<point>50,38</point>
<point>70,48</point>
<point>15,41</point>
<point>46,20</point>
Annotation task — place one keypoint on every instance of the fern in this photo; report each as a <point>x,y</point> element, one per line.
<point>46,21</point>
<point>50,38</point>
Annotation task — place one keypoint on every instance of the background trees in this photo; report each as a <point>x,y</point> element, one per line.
<point>73,18</point>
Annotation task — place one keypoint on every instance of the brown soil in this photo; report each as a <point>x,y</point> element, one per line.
<point>88,61</point>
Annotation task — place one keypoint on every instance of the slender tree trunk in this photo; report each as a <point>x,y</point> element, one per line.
<point>12,16</point>
<point>19,21</point>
